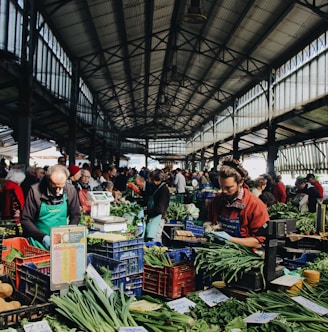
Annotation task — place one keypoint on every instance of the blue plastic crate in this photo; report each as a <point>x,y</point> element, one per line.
<point>294,264</point>
<point>196,230</point>
<point>153,243</point>
<point>130,252</point>
<point>117,268</point>
<point>180,255</point>
<point>133,285</point>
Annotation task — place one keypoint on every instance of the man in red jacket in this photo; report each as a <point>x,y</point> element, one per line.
<point>238,212</point>
<point>311,179</point>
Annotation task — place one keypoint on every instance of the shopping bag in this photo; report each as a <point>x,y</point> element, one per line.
<point>152,227</point>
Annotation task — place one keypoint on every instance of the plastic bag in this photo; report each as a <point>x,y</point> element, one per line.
<point>303,204</point>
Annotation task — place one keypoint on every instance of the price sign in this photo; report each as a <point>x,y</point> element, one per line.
<point>132,329</point>
<point>311,305</point>
<point>260,318</point>
<point>40,326</point>
<point>212,297</point>
<point>181,305</point>
<point>68,256</point>
<point>93,274</point>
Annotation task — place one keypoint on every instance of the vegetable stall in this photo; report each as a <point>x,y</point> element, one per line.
<point>192,282</point>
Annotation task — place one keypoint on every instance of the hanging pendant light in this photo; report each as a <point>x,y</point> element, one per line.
<point>195,15</point>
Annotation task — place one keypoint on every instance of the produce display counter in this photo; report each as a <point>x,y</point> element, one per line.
<point>180,278</point>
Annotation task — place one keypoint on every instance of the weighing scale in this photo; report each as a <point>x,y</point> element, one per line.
<point>100,210</point>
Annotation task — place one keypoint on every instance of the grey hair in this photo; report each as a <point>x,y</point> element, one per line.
<point>85,171</point>
<point>16,175</point>
<point>55,169</point>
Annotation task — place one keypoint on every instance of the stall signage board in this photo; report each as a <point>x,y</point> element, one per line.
<point>68,252</point>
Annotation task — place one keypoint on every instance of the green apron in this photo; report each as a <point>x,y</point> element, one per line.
<point>50,216</point>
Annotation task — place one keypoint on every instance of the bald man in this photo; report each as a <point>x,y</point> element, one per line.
<point>51,203</point>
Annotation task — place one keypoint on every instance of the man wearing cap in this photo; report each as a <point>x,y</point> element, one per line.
<point>305,188</point>
<point>50,203</point>
<point>311,179</point>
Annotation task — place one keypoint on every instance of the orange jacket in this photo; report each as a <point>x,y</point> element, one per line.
<point>252,212</point>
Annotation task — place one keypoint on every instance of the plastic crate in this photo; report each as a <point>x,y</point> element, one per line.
<point>9,228</point>
<point>117,268</point>
<point>198,231</point>
<point>294,264</point>
<point>170,281</point>
<point>180,255</point>
<point>33,313</point>
<point>35,281</point>
<point>130,252</point>
<point>133,285</point>
<point>31,255</point>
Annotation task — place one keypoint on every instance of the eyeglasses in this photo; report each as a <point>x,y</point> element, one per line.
<point>85,176</point>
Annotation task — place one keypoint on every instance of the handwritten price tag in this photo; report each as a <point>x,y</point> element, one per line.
<point>260,318</point>
<point>132,329</point>
<point>212,297</point>
<point>181,305</point>
<point>40,326</point>
<point>310,305</point>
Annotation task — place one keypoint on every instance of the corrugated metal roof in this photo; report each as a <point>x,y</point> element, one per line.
<point>157,76</point>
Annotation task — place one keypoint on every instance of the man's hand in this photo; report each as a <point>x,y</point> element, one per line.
<point>46,242</point>
<point>221,235</point>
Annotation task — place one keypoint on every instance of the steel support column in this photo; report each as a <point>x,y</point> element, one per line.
<point>24,121</point>
<point>73,112</point>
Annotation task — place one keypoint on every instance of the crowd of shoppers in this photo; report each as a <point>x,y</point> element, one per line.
<point>30,196</point>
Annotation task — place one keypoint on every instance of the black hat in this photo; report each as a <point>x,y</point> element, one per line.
<point>300,181</point>
<point>310,176</point>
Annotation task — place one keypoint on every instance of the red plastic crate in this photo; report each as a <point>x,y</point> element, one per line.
<point>170,281</point>
<point>31,255</point>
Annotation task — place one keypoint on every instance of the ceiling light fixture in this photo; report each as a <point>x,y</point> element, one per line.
<point>195,15</point>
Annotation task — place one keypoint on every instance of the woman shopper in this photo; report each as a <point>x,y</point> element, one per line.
<point>157,206</point>
<point>11,196</point>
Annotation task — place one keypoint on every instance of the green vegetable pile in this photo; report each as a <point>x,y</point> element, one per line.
<point>92,310</point>
<point>119,209</point>
<point>320,264</point>
<point>305,221</point>
<point>176,211</point>
<point>156,256</point>
<point>219,315</point>
<point>229,260</point>
<point>283,211</point>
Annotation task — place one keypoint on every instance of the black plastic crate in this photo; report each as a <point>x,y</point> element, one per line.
<point>32,313</point>
<point>307,243</point>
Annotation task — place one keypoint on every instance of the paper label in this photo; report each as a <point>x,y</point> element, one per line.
<point>286,280</point>
<point>132,329</point>
<point>320,310</point>
<point>40,326</point>
<point>260,318</point>
<point>181,305</point>
<point>212,297</point>
<point>93,274</point>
